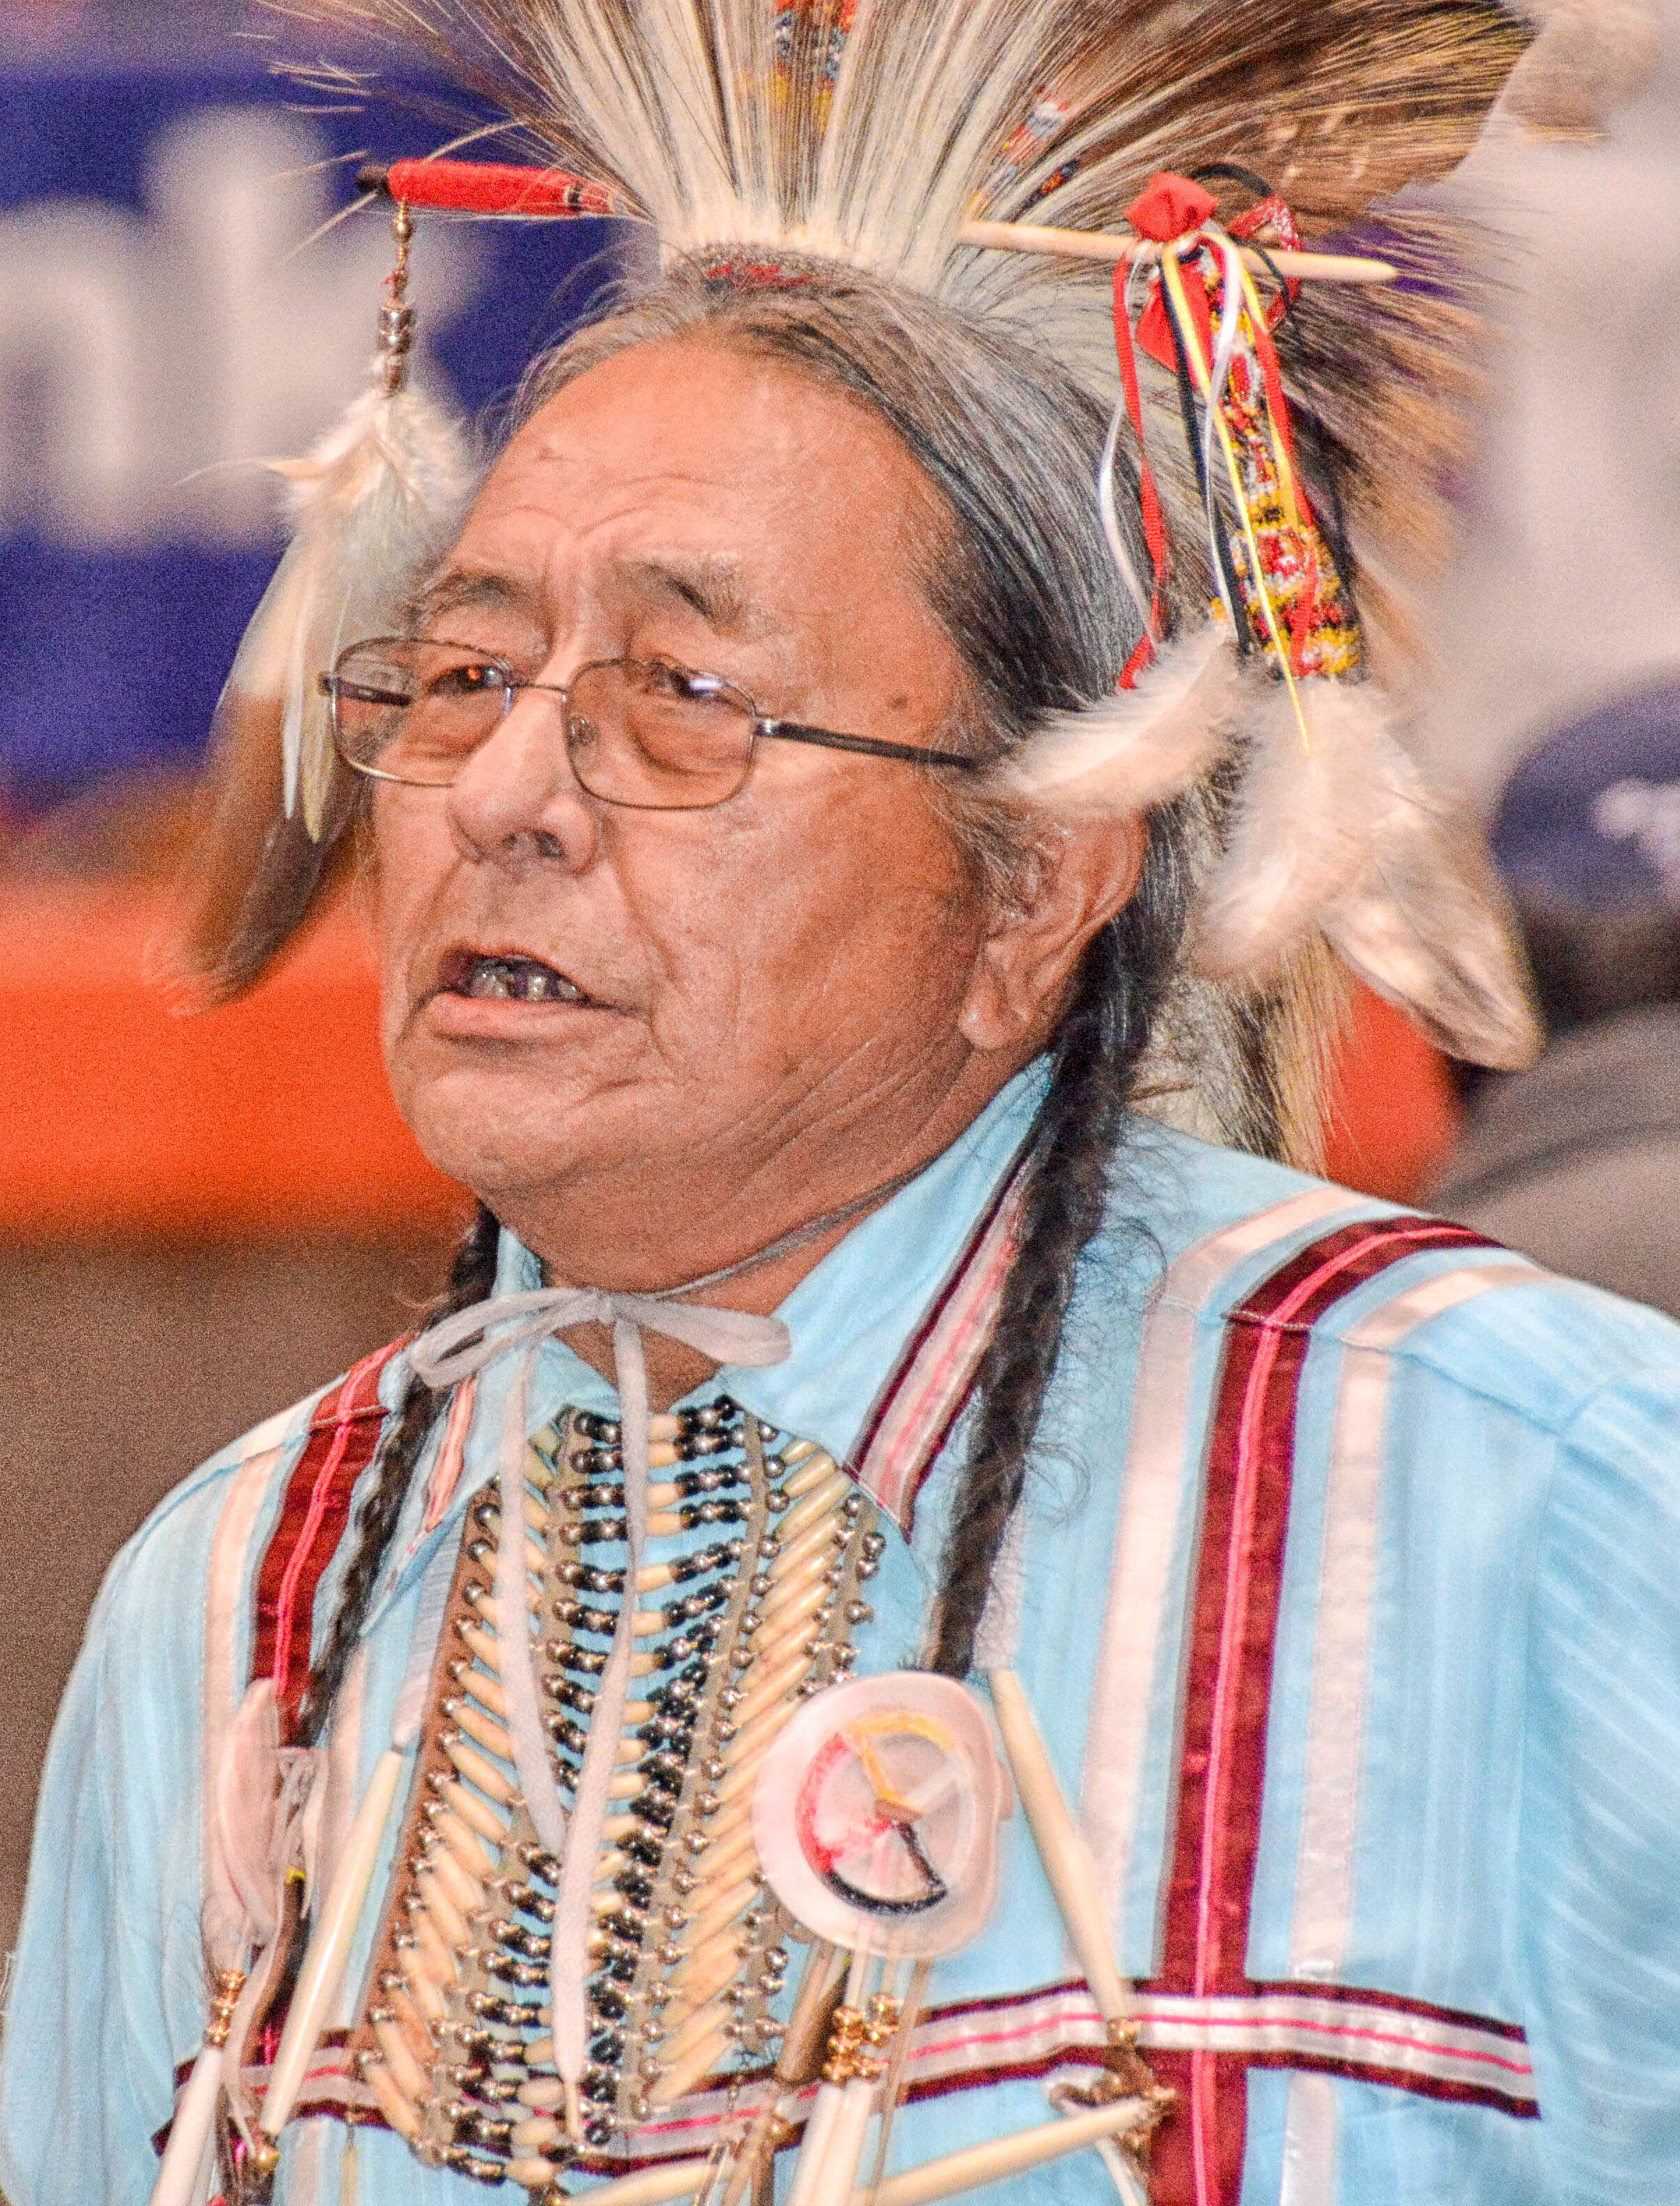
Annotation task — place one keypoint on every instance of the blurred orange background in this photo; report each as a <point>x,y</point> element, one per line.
<point>121,1112</point>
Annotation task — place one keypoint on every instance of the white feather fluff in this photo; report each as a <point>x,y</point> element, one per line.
<point>370,504</point>
<point>1138,748</point>
<point>1302,823</point>
<point>1424,923</point>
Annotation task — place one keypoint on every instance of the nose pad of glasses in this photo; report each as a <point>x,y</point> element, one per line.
<point>582,736</point>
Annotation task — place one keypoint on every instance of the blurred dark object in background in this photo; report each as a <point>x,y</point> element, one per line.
<point>1578,1161</point>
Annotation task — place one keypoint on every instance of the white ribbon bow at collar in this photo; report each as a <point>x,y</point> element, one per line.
<point>453,1349</point>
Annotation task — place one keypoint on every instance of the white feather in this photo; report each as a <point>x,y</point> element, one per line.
<point>369,506</point>
<point>1424,923</point>
<point>1136,748</point>
<point>1301,827</point>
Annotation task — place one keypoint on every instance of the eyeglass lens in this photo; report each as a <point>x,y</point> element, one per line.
<point>639,732</point>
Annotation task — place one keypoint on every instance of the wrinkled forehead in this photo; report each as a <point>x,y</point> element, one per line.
<point>760,481</point>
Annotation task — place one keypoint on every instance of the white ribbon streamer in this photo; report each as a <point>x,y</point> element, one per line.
<point>464,1344</point>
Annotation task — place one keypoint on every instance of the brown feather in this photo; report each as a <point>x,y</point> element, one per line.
<point>254,871</point>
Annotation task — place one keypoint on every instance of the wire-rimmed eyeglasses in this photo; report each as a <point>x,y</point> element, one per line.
<point>639,732</point>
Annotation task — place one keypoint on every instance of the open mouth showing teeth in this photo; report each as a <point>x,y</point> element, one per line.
<point>511,979</point>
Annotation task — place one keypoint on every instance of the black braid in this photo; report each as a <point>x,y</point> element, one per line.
<point>1077,1139</point>
<point>472,1276</point>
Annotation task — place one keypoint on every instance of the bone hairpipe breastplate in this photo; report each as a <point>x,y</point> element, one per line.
<point>746,1600</point>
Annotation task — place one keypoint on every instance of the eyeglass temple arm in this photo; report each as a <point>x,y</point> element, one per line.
<point>791,731</point>
<point>794,731</point>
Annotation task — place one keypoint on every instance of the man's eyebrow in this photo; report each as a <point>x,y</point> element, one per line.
<point>712,587</point>
<point>466,587</point>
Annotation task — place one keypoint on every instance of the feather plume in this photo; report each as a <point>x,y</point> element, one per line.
<point>1302,826</point>
<point>873,132</point>
<point>1425,924</point>
<point>870,131</point>
<point>370,506</point>
<point>1136,748</point>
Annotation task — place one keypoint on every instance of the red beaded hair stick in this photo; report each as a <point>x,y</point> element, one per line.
<point>506,188</point>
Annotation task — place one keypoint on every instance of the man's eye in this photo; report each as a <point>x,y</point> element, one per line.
<point>681,682</point>
<point>470,678</point>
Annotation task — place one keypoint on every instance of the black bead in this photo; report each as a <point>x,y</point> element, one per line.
<point>527,1975</point>
<point>486,2129</point>
<point>572,1613</point>
<point>531,1944</point>
<point>460,2161</point>
<point>497,2090</point>
<point>528,1901</point>
<point>714,1558</point>
<point>540,1862</point>
<point>713,1512</point>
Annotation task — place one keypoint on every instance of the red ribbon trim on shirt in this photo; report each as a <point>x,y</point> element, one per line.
<point>1197,2159</point>
<point>314,1515</point>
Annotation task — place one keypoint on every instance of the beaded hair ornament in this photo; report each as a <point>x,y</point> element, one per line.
<point>1180,204</point>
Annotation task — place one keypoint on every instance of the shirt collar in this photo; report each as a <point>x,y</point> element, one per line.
<point>887,1330</point>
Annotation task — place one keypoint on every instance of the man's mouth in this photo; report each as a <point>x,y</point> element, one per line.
<point>507,978</point>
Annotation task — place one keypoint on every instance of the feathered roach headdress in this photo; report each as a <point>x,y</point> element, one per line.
<point>1178,203</point>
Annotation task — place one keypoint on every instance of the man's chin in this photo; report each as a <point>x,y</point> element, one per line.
<point>508,1127</point>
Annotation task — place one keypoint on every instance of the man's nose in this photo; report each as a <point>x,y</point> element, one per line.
<point>517,799</point>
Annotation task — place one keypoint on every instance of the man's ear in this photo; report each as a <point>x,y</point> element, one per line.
<point>1086,874</point>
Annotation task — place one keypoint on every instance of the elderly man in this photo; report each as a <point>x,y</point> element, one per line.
<point>448,1758</point>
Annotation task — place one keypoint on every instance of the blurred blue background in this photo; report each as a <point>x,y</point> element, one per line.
<point>164,325</point>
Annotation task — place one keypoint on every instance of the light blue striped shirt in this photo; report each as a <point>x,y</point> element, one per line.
<point>1456,1889</point>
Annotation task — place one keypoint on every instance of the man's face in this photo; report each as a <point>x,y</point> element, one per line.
<point>757,981</point>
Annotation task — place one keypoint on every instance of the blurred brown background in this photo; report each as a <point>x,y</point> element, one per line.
<point>120,1365</point>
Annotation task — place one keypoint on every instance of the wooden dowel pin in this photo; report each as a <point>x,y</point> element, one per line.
<point>1061,1847</point>
<point>1117,246</point>
<point>1003,2157</point>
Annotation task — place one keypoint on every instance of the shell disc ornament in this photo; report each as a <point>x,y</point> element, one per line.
<point>877,1818</point>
